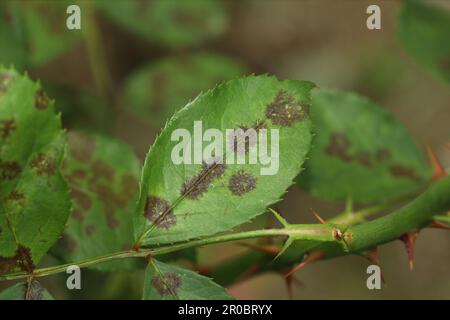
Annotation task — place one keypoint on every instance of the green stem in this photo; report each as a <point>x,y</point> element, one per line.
<point>414,216</point>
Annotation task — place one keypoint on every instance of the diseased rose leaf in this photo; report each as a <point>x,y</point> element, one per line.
<point>168,282</point>
<point>155,91</point>
<point>424,31</point>
<point>103,176</point>
<point>34,198</point>
<point>184,201</point>
<point>169,23</point>
<point>26,291</point>
<point>360,151</point>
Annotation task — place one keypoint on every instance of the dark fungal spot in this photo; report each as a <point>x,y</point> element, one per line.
<point>7,127</point>
<point>82,199</point>
<point>33,290</point>
<point>339,146</point>
<point>404,172</point>
<point>78,214</point>
<point>102,170</point>
<point>241,140</point>
<point>110,213</point>
<point>383,155</point>
<point>241,182</point>
<point>159,212</point>
<point>15,195</point>
<point>22,260</point>
<point>44,165</point>
<point>41,100</point>
<point>285,111</point>
<point>167,283</point>
<point>199,184</point>
<point>444,63</point>
<point>9,170</point>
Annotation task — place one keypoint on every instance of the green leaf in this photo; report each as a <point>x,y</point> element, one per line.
<point>360,151</point>
<point>12,37</point>
<point>168,282</point>
<point>103,177</point>
<point>26,291</point>
<point>47,33</point>
<point>182,201</point>
<point>169,23</point>
<point>424,31</point>
<point>158,89</point>
<point>34,201</point>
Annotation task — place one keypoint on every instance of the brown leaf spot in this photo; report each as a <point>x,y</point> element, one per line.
<point>7,127</point>
<point>404,172</point>
<point>81,199</point>
<point>338,146</point>
<point>383,155</point>
<point>199,184</point>
<point>285,111</point>
<point>364,158</point>
<point>44,165</point>
<point>241,182</point>
<point>22,259</point>
<point>159,212</point>
<point>9,170</point>
<point>101,170</point>
<point>167,283</point>
<point>15,195</point>
<point>41,100</point>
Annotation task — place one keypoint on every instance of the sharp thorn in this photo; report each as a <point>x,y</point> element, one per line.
<point>438,225</point>
<point>318,217</point>
<point>311,257</point>
<point>438,169</point>
<point>279,218</point>
<point>409,239</point>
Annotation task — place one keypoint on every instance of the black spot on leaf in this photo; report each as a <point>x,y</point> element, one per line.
<point>7,127</point>
<point>9,170</point>
<point>241,182</point>
<point>199,184</point>
<point>41,100</point>
<point>383,155</point>
<point>167,283</point>
<point>339,146</point>
<point>15,195</point>
<point>44,165</point>
<point>404,172</point>
<point>22,260</point>
<point>285,111</point>
<point>159,212</point>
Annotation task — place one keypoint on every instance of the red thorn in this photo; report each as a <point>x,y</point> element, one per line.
<point>148,258</point>
<point>204,270</point>
<point>318,217</point>
<point>254,268</point>
<point>374,258</point>
<point>313,256</point>
<point>290,281</point>
<point>438,225</point>
<point>136,247</point>
<point>409,239</point>
<point>271,250</point>
<point>438,169</point>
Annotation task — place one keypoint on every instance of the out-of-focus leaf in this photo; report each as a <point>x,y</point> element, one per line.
<point>168,282</point>
<point>34,201</point>
<point>169,22</point>
<point>81,110</point>
<point>46,30</point>
<point>424,31</point>
<point>156,91</point>
<point>103,177</point>
<point>26,291</point>
<point>182,201</point>
<point>360,151</point>
<point>12,38</point>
